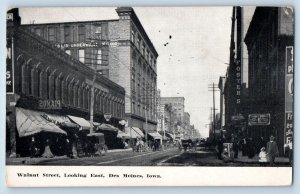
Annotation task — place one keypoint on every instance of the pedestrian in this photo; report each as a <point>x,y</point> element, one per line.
<point>251,148</point>
<point>69,152</point>
<point>235,146</point>
<point>220,147</point>
<point>47,152</point>
<point>272,150</point>
<point>289,150</point>
<point>262,155</point>
<point>33,148</point>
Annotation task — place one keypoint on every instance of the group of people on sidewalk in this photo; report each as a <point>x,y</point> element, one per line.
<point>266,151</point>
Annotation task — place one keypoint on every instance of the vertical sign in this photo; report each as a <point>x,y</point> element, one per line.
<point>289,91</point>
<point>9,59</point>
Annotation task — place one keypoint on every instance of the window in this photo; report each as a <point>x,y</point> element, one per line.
<point>99,57</point>
<point>51,34</point>
<point>81,55</point>
<point>132,35</point>
<point>98,31</point>
<point>38,31</point>
<point>67,34</point>
<point>68,52</point>
<point>138,42</point>
<point>81,33</point>
<point>143,49</point>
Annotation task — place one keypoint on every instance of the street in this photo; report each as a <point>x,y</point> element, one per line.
<point>168,157</point>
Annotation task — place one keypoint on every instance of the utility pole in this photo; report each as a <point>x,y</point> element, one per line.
<point>213,88</point>
<point>92,97</point>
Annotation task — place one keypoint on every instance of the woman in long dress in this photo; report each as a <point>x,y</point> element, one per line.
<point>47,152</point>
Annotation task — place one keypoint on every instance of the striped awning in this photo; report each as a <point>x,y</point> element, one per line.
<point>155,135</point>
<point>134,132</point>
<point>80,121</point>
<point>30,122</point>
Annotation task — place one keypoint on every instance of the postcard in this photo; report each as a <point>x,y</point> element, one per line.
<point>149,96</point>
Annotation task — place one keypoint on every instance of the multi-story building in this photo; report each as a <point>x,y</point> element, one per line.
<point>234,85</point>
<point>270,43</point>
<point>119,50</point>
<point>44,78</point>
<point>178,107</point>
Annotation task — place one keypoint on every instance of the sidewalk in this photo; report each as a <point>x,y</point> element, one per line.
<point>33,161</point>
<point>245,159</point>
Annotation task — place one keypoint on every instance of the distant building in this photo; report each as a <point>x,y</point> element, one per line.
<point>178,107</point>
<point>117,49</point>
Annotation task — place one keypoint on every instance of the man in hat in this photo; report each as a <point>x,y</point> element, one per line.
<point>272,150</point>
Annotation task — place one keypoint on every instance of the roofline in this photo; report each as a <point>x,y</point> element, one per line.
<point>137,22</point>
<point>87,21</point>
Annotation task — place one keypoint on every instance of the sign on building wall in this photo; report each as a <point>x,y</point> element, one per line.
<point>259,119</point>
<point>87,44</point>
<point>9,65</point>
<point>289,91</point>
<point>49,104</point>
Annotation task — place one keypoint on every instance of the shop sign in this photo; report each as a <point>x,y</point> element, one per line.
<point>289,92</point>
<point>9,68</point>
<point>259,119</point>
<point>238,82</point>
<point>87,44</point>
<point>49,104</point>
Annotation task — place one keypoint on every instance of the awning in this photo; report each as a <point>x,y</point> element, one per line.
<point>138,131</point>
<point>80,121</point>
<point>96,124</point>
<point>170,135</point>
<point>121,134</point>
<point>155,135</point>
<point>134,132</point>
<point>30,122</point>
<point>107,127</point>
<point>56,118</point>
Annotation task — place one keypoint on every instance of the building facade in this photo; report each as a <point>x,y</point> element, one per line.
<point>270,43</point>
<point>178,107</point>
<point>117,49</point>
<point>46,79</point>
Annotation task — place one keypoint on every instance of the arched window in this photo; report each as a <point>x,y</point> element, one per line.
<point>24,79</point>
<point>36,83</point>
<point>88,98</point>
<point>75,94</point>
<point>70,92</point>
<point>80,96</point>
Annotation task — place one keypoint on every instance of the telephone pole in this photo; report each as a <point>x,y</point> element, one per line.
<point>213,88</point>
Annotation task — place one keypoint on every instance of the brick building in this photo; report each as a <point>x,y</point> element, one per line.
<point>119,50</point>
<point>47,80</point>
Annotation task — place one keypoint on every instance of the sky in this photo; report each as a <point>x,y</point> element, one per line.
<point>194,58</point>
